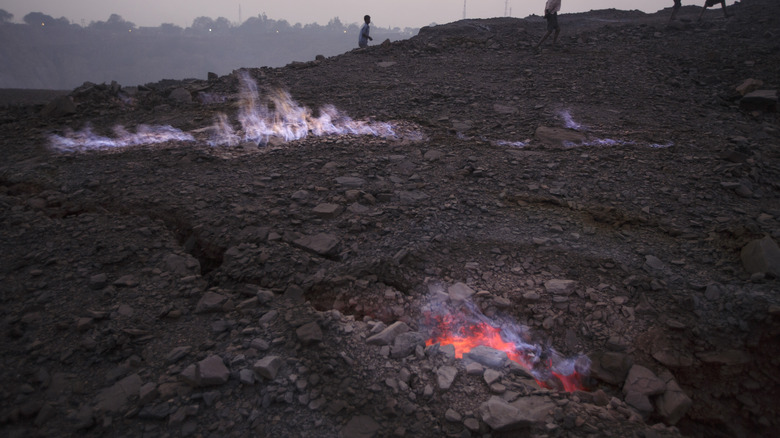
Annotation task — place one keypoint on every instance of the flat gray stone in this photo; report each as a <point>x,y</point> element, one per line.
<point>654,263</point>
<point>210,302</point>
<point>504,109</point>
<point>246,376</point>
<point>212,371</point>
<point>759,100</point>
<point>309,333</point>
<point>643,381</point>
<point>491,376</point>
<point>640,402</point>
<point>433,155</point>
<point>445,375</point>
<point>350,181</point>
<point>460,292</point>
<point>560,286</point>
<point>487,356</point>
<point>673,404</point>
<point>327,210</point>
<point>324,244</point>
<point>268,366</point>
<point>181,95</point>
<point>762,255</point>
<point>525,412</point>
<point>59,107</point>
<point>361,426</point>
<point>388,335</point>
<point>405,344</point>
<point>182,265</point>
<point>611,367</point>
<point>98,281</point>
<point>559,137</point>
<point>113,398</point>
<point>412,197</point>
<point>177,354</point>
<point>725,357</point>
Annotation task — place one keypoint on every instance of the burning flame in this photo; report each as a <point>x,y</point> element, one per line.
<point>570,123</point>
<point>568,120</point>
<point>285,119</point>
<point>85,139</point>
<point>467,328</point>
<point>278,116</point>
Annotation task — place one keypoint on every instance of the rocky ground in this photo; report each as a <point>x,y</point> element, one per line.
<point>616,195</point>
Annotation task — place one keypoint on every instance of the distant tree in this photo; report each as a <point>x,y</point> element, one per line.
<point>282,26</point>
<point>222,23</point>
<point>202,24</point>
<point>5,16</point>
<point>170,29</point>
<point>313,27</point>
<point>41,19</point>
<point>115,23</point>
<point>256,25</point>
<point>335,25</point>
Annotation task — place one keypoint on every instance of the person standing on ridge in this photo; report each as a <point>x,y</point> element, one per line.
<point>709,3</point>
<point>364,38</point>
<point>675,9</point>
<point>551,15</point>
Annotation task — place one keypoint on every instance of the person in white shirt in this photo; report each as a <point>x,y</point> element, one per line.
<point>364,38</point>
<point>551,15</point>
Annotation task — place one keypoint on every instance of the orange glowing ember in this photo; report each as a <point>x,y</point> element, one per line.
<point>449,330</point>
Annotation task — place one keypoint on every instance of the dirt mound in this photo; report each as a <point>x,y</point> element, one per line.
<point>269,253</point>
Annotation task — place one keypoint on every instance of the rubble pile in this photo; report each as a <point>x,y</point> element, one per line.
<point>615,197</point>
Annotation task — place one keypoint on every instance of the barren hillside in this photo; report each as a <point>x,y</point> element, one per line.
<point>305,251</point>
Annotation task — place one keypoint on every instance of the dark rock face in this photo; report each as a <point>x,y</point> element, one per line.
<point>611,197</point>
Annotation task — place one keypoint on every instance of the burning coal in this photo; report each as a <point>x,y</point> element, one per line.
<point>279,116</point>
<point>85,139</point>
<point>465,327</point>
<point>260,120</point>
<point>570,123</point>
<point>568,120</point>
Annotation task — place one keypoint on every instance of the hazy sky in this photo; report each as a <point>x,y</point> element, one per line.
<point>385,13</point>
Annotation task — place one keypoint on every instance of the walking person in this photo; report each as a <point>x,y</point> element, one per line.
<point>675,9</point>
<point>364,31</point>
<point>709,3</point>
<point>551,15</point>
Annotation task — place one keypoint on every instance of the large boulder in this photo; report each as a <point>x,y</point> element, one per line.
<point>760,100</point>
<point>525,412</point>
<point>762,255</point>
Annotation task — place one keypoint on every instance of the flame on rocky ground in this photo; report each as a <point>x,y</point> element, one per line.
<point>277,116</point>
<point>86,139</point>
<point>285,119</point>
<point>572,124</point>
<point>466,328</point>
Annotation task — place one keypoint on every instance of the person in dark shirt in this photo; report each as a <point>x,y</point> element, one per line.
<point>551,9</point>
<point>709,3</point>
<point>675,9</point>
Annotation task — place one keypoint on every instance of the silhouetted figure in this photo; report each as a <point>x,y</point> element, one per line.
<point>364,38</point>
<point>709,3</point>
<point>551,15</point>
<point>675,9</point>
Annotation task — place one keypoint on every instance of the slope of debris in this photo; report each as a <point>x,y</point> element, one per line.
<point>613,199</point>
